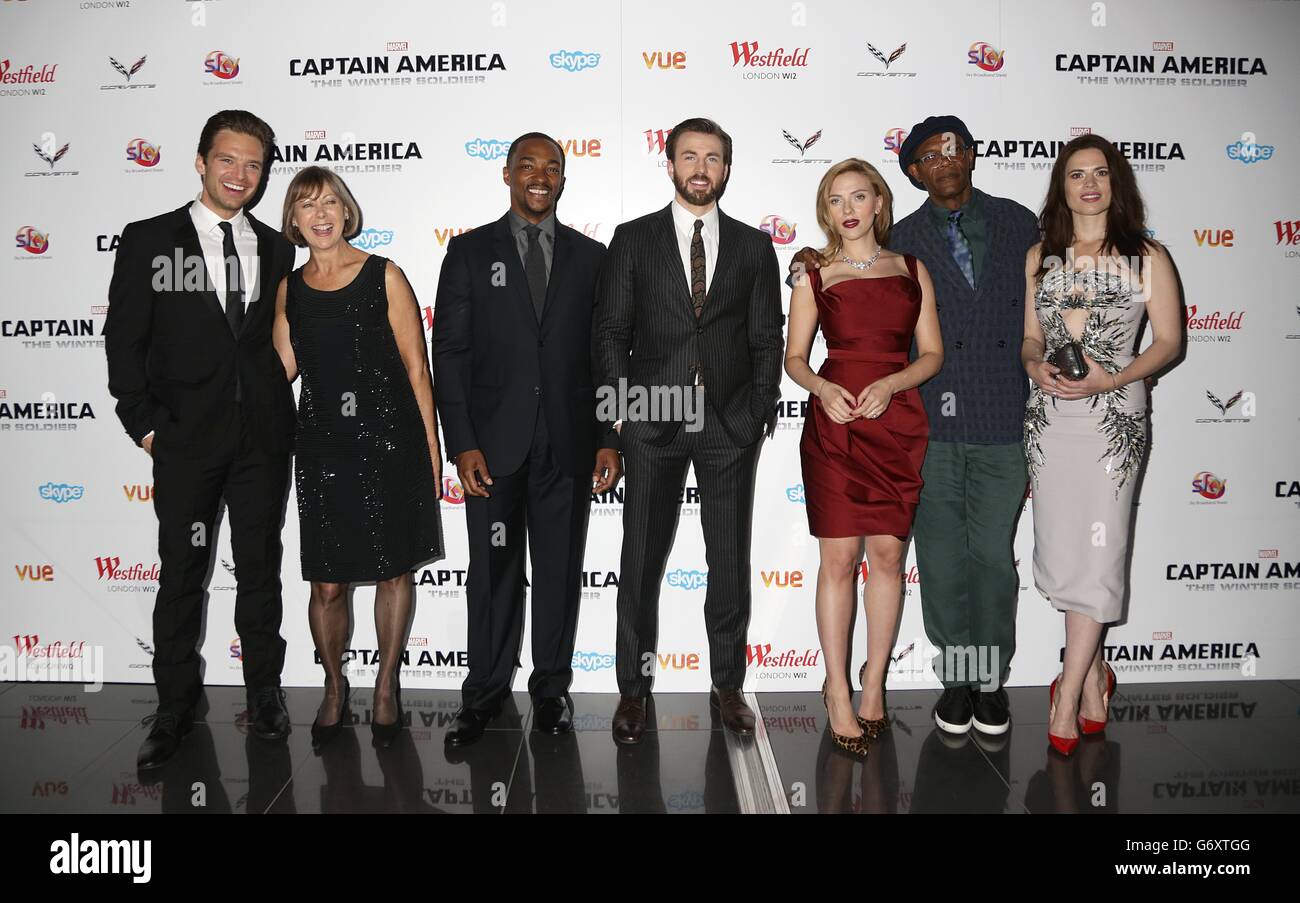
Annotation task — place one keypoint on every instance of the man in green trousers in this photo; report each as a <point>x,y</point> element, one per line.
<point>974,246</point>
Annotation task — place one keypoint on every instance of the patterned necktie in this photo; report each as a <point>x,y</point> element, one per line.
<point>960,247</point>
<point>697,268</point>
<point>234,279</point>
<point>535,269</point>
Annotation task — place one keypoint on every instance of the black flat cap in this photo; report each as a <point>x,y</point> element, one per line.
<point>924,131</point>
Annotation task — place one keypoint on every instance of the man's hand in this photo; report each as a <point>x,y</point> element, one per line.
<point>471,467</point>
<point>147,444</point>
<point>609,467</point>
<point>807,259</point>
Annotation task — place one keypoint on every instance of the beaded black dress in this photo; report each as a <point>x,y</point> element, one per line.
<point>367,503</point>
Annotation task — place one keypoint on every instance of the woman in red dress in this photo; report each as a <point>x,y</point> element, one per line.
<point>865,435</point>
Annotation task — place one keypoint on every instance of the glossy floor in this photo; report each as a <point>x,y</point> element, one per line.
<point>1172,748</point>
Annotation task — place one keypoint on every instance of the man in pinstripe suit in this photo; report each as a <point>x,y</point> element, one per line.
<point>689,306</point>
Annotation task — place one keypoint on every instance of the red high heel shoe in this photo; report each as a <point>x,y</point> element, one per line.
<point>1063,745</point>
<point>1087,725</point>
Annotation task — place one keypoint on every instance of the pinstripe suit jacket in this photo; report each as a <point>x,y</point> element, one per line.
<point>646,331</point>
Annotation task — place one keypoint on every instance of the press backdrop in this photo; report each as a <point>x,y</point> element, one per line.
<point>415,103</point>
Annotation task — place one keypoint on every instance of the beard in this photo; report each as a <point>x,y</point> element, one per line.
<point>699,198</point>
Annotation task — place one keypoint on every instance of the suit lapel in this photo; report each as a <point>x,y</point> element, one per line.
<point>666,232</point>
<point>265,265</point>
<point>516,279</point>
<point>996,237</point>
<point>188,241</point>
<point>559,259</point>
<point>937,249</point>
<point>728,246</point>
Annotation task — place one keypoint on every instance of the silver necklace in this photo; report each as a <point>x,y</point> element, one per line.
<point>861,264</point>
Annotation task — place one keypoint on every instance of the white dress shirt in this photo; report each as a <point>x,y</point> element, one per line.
<point>211,240</point>
<point>684,222</point>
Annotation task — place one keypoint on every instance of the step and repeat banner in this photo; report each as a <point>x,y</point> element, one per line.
<point>415,104</point>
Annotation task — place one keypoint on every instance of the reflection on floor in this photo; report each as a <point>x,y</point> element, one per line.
<point>1172,748</point>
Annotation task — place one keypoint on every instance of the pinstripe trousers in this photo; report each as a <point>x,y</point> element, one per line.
<point>654,476</point>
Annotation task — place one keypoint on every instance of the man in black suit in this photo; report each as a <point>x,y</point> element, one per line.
<point>200,388</point>
<point>512,364</point>
<point>689,306</point>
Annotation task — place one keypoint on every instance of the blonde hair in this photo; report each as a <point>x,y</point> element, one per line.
<point>312,182</point>
<point>884,219</point>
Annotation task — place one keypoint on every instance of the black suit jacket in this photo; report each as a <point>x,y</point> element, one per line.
<point>173,361</point>
<point>646,331</point>
<point>494,363</point>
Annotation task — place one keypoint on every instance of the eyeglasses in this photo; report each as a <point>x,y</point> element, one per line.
<point>933,157</point>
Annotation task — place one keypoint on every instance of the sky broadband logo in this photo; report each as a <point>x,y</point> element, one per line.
<point>103,857</point>
<point>487,148</point>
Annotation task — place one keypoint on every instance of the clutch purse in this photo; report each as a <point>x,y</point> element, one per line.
<point>1069,360</point>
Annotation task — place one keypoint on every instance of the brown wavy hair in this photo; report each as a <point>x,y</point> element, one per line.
<point>1125,219</point>
<point>884,221</point>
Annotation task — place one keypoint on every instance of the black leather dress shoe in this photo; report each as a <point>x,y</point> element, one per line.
<point>629,720</point>
<point>552,716</point>
<point>469,727</point>
<point>736,715</point>
<point>163,740</point>
<point>270,720</point>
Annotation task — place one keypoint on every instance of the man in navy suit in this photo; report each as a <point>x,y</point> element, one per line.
<point>512,364</point>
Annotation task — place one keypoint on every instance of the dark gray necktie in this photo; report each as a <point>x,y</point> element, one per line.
<point>234,279</point>
<point>535,269</point>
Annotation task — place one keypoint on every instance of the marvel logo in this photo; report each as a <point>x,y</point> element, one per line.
<point>396,45</point>
<point>1162,635</point>
<point>313,135</point>
<point>1162,45</point>
<point>1268,553</point>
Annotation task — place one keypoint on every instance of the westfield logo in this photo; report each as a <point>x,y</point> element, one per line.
<point>110,568</point>
<point>656,140</point>
<point>759,655</point>
<point>747,53</point>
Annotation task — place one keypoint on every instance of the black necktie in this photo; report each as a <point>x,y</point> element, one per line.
<point>234,279</point>
<point>535,269</point>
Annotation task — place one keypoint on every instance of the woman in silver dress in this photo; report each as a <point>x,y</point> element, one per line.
<point>1088,285</point>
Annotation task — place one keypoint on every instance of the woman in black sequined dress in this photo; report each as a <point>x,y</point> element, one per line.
<point>368,465</point>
